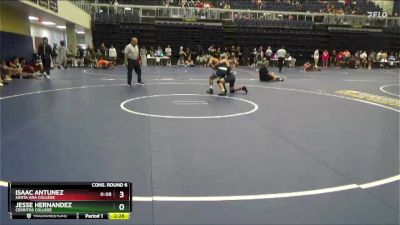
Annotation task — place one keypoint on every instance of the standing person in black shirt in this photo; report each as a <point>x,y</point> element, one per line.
<point>45,53</point>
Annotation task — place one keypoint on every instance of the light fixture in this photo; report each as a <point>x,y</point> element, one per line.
<point>33,18</point>
<point>80,32</point>
<point>61,27</point>
<point>48,23</point>
<point>128,8</point>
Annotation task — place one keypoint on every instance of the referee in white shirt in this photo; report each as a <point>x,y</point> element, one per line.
<point>281,54</point>
<point>132,60</point>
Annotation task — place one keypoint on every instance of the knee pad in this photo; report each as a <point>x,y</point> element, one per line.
<point>218,81</point>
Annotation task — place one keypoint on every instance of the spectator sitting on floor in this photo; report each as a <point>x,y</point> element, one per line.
<point>391,60</point>
<point>3,73</point>
<point>90,57</point>
<point>383,60</point>
<point>379,56</point>
<point>181,62</point>
<point>202,58</point>
<point>309,67</point>
<point>291,60</point>
<point>346,56</point>
<point>28,71</point>
<point>17,72</point>
<point>189,62</point>
<point>9,71</point>
<point>182,53</point>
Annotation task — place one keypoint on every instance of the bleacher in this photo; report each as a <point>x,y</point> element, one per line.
<point>294,24</point>
<point>361,6</point>
<point>300,34</point>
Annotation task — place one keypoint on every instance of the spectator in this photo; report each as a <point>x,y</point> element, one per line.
<point>372,59</point>
<point>239,55</point>
<point>391,60</point>
<point>62,54</point>
<point>79,59</point>
<point>90,57</point>
<point>189,62</point>
<point>45,52</point>
<point>181,62</point>
<point>3,73</point>
<point>333,58</point>
<point>28,71</point>
<point>201,57</point>
<point>268,53</point>
<point>104,51</point>
<point>168,53</point>
<point>379,56</point>
<point>99,55</point>
<point>55,56</point>
<point>339,57</point>
<point>345,58</point>
<point>325,58</point>
<point>363,59</point>
<point>143,55</point>
<point>17,69</point>
<point>112,53</point>
<point>6,71</point>
<point>316,57</point>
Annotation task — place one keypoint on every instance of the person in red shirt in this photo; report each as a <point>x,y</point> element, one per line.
<point>325,58</point>
<point>339,57</point>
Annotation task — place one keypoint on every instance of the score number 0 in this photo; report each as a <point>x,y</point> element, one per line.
<point>121,206</point>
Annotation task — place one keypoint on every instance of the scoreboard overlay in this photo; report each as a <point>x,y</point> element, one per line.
<point>70,200</point>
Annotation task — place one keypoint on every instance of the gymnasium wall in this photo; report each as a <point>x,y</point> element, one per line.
<point>54,35</point>
<point>15,34</point>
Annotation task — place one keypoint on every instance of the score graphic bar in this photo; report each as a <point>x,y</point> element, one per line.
<point>70,200</point>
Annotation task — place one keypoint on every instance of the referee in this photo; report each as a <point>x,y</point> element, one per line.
<point>132,60</point>
<point>281,54</point>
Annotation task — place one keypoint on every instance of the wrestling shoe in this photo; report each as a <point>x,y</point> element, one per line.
<point>223,93</point>
<point>210,91</point>
<point>244,88</point>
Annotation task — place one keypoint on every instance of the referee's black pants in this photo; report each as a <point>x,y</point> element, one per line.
<point>46,62</point>
<point>280,63</point>
<point>134,65</point>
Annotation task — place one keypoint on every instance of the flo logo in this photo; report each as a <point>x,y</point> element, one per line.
<point>28,215</point>
<point>377,14</point>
